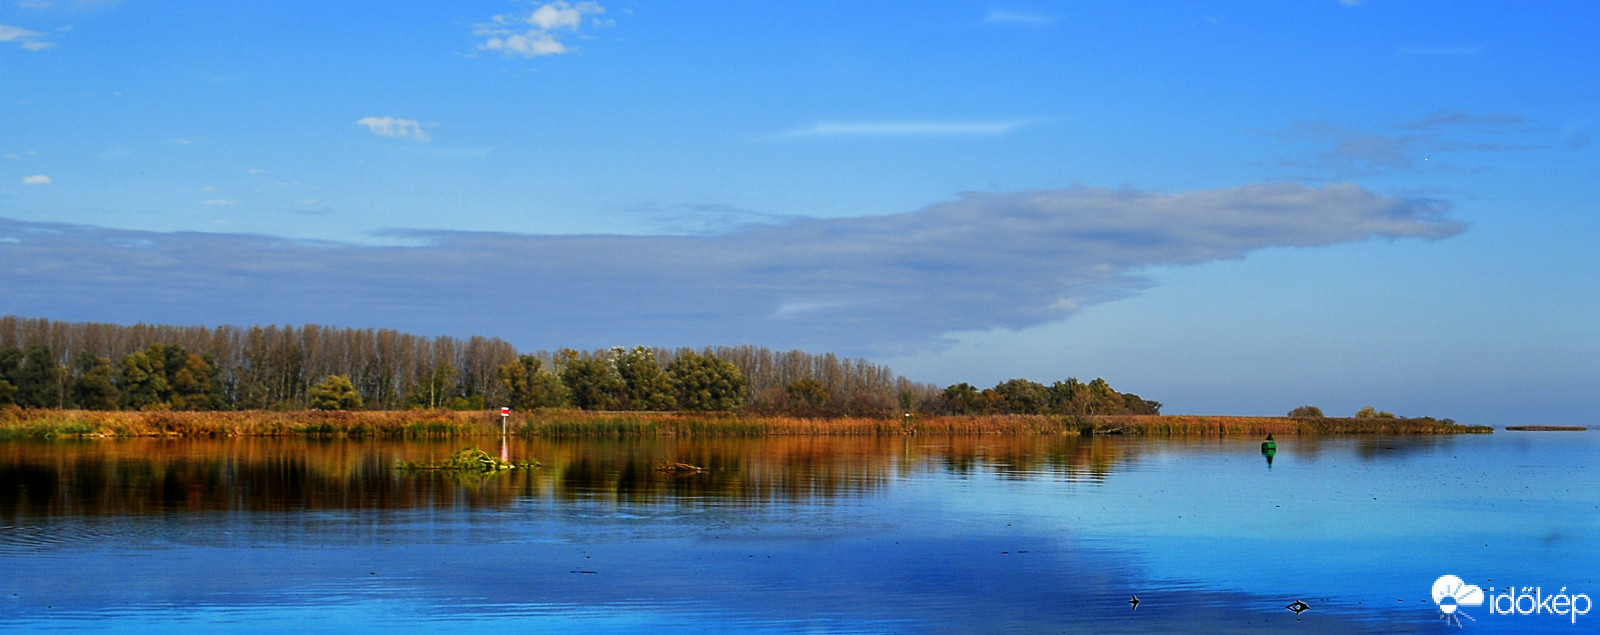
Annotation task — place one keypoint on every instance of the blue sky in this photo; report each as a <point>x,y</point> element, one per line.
<point>1229,207</point>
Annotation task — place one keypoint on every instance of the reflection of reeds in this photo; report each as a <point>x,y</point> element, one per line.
<point>164,475</point>
<point>415,424</point>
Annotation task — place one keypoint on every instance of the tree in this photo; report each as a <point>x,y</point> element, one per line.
<point>807,395</point>
<point>39,380</point>
<point>647,386</point>
<point>10,368</point>
<point>706,382</point>
<point>529,385</point>
<point>1102,399</point>
<point>95,387</point>
<point>434,389</point>
<point>1136,405</point>
<point>962,399</point>
<point>1373,413</point>
<point>593,383</point>
<point>194,382</point>
<point>143,382</point>
<point>1306,411</point>
<point>1023,397</point>
<point>335,392</point>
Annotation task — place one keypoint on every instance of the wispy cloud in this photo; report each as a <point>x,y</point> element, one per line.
<point>30,40</point>
<point>1348,152</point>
<point>219,202</point>
<point>37,179</point>
<point>1446,118</point>
<point>393,127</point>
<point>864,285</point>
<point>904,129</point>
<point>1002,16</point>
<point>539,32</point>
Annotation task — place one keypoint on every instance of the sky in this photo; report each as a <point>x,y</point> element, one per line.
<point>1228,207</point>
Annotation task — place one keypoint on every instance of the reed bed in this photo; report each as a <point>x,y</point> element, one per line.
<point>38,424</point>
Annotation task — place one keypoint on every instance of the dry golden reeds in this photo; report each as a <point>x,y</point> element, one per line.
<point>16,423</point>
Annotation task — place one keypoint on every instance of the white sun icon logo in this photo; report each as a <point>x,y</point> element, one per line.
<point>1451,593</point>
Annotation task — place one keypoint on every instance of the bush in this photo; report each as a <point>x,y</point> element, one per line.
<point>335,392</point>
<point>1306,411</point>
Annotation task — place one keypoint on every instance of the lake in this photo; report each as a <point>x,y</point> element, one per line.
<point>802,534</point>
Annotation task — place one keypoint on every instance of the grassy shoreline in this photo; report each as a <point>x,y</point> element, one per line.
<point>44,424</point>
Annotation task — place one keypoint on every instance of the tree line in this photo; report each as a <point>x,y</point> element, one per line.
<point>53,364</point>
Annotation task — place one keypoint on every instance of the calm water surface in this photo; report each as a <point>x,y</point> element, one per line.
<point>970,534</point>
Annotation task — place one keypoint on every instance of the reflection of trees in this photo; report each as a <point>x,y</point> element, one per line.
<point>148,476</point>
<point>1073,458</point>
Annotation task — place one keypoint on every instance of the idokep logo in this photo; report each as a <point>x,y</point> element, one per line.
<point>1451,593</point>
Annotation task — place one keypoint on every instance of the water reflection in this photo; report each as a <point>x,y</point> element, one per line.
<point>146,476</point>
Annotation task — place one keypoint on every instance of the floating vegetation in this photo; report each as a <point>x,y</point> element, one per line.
<point>1548,428</point>
<point>673,467</point>
<point>469,460</point>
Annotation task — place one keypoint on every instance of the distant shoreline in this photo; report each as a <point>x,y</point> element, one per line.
<point>47,424</point>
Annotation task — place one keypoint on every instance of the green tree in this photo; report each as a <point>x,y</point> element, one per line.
<point>647,386</point>
<point>593,383</point>
<point>335,392</point>
<point>95,387</point>
<point>143,382</point>
<point>706,382</point>
<point>436,386</point>
<point>192,380</point>
<point>807,395</point>
<point>1373,413</point>
<point>963,399</point>
<point>1070,397</point>
<point>1308,411</point>
<point>10,368</point>
<point>1102,399</point>
<point>1136,405</point>
<point>530,385</point>
<point>1024,397</point>
<point>39,380</point>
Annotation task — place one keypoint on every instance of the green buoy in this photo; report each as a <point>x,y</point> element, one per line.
<point>1269,444</point>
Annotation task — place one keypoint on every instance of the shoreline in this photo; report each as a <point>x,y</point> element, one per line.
<point>16,424</point>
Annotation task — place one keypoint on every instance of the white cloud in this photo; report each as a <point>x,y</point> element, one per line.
<point>561,15</point>
<point>530,44</point>
<point>539,32</point>
<point>904,128</point>
<point>37,179</point>
<point>219,202</point>
<point>393,127</point>
<point>30,40</point>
